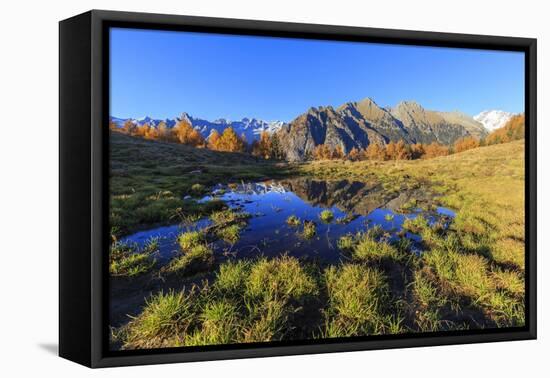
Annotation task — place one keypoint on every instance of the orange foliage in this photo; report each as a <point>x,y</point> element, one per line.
<point>435,149</point>
<point>129,127</point>
<point>213,139</point>
<point>513,130</point>
<point>374,151</point>
<point>186,134</point>
<point>417,151</point>
<point>228,141</point>
<point>338,153</point>
<point>465,144</point>
<point>322,152</point>
<point>262,147</point>
<point>398,151</point>
<point>354,154</point>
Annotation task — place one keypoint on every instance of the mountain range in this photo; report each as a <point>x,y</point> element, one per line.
<point>251,128</point>
<point>353,124</point>
<point>493,119</point>
<point>357,124</point>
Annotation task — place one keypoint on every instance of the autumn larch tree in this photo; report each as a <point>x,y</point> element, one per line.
<point>213,140</point>
<point>374,151</point>
<point>276,149</point>
<point>417,151</point>
<point>164,133</point>
<point>513,130</point>
<point>465,144</point>
<point>322,152</point>
<point>262,147</point>
<point>354,154</point>
<point>229,141</point>
<point>186,134</point>
<point>435,149</point>
<point>129,127</point>
<point>338,153</point>
<point>398,151</point>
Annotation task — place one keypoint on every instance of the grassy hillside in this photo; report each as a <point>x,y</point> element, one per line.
<point>469,276</point>
<point>149,179</point>
<point>486,186</point>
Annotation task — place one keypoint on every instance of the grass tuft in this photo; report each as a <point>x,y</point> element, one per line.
<point>293,220</point>
<point>309,231</point>
<point>165,320</point>
<point>356,295</point>
<point>189,239</point>
<point>196,259</point>
<point>126,260</point>
<point>326,216</point>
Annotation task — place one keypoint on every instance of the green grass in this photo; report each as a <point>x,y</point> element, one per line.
<point>470,275</point>
<point>198,189</point>
<point>293,220</point>
<point>231,278</point>
<point>127,260</point>
<point>220,325</point>
<point>196,259</point>
<point>346,243</point>
<point>149,179</point>
<point>356,297</point>
<point>228,216</point>
<point>281,277</point>
<point>230,234</point>
<point>164,319</point>
<point>229,224</point>
<point>326,216</point>
<point>369,249</point>
<point>189,239</point>
<point>309,230</point>
<point>479,261</point>
<point>252,301</point>
<point>364,247</point>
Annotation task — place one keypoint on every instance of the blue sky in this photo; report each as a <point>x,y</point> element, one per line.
<point>162,74</point>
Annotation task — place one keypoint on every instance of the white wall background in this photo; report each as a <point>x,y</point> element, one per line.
<point>29,185</point>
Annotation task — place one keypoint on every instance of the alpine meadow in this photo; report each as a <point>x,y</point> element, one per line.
<point>288,190</point>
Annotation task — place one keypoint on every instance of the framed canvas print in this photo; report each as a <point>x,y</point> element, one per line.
<point>233,188</point>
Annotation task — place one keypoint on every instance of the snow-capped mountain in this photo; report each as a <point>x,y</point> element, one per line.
<point>493,119</point>
<point>250,127</point>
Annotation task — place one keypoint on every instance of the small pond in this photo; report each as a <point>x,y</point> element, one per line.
<point>356,206</point>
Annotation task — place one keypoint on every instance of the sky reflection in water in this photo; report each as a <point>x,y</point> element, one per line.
<point>267,233</point>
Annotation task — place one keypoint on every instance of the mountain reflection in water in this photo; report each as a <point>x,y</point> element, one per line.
<point>356,206</point>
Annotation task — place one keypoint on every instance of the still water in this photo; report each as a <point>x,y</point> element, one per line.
<point>356,206</point>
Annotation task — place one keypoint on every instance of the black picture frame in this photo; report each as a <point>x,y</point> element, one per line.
<point>83,181</point>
